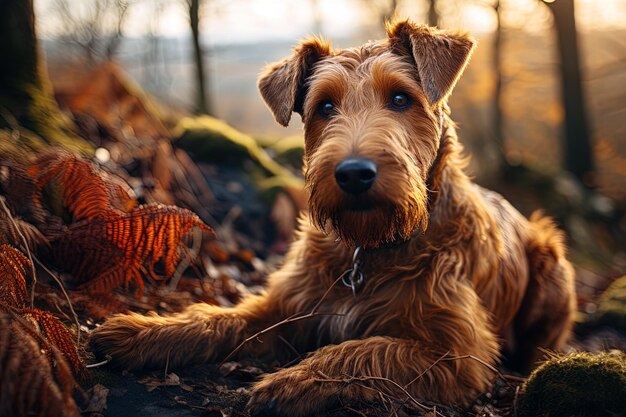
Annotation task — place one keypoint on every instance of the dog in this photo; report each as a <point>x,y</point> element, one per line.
<point>406,280</point>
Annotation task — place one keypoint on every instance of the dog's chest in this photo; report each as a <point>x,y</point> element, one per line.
<point>367,313</point>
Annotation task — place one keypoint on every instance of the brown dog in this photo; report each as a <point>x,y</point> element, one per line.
<point>450,274</point>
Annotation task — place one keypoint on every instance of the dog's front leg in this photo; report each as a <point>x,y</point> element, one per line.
<point>200,333</point>
<point>367,370</point>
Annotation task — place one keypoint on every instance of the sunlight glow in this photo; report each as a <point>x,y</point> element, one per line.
<point>252,20</point>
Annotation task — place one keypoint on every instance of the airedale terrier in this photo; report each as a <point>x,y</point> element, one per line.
<point>406,278</point>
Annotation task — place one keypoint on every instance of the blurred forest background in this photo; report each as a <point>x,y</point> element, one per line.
<point>160,99</point>
<point>203,56</point>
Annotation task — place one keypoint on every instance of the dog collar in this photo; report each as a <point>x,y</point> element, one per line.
<point>353,277</point>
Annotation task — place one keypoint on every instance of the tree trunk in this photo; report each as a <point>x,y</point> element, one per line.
<point>577,144</point>
<point>498,118</point>
<point>202,101</point>
<point>27,103</point>
<point>26,100</point>
<point>433,15</point>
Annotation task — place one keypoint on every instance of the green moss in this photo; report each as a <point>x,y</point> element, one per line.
<point>267,141</point>
<point>214,141</point>
<point>35,120</point>
<point>19,143</point>
<point>579,384</point>
<point>42,116</point>
<point>289,151</point>
<point>269,187</point>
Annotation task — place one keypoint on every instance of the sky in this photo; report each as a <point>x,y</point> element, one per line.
<point>253,20</point>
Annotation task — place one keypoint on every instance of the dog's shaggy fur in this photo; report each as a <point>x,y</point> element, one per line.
<point>454,276</point>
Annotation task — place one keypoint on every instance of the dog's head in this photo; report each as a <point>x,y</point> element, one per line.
<point>372,119</point>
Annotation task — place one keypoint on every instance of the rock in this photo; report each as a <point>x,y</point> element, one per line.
<point>289,151</point>
<point>578,384</point>
<point>214,141</point>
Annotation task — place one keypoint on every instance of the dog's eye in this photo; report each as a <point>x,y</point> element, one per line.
<point>400,101</point>
<point>326,108</point>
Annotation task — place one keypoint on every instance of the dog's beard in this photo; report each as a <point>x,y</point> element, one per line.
<point>392,210</point>
<point>371,222</point>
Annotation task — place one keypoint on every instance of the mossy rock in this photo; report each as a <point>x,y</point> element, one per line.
<point>35,122</point>
<point>579,384</point>
<point>270,187</point>
<point>214,141</point>
<point>611,310</point>
<point>289,151</point>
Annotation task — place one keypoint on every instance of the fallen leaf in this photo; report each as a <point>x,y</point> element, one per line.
<point>97,399</point>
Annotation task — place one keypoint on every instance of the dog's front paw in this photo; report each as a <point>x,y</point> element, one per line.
<point>120,340</point>
<point>291,392</point>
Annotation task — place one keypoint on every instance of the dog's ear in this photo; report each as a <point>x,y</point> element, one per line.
<point>440,56</point>
<point>282,84</point>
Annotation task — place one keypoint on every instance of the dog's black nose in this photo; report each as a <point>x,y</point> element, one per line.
<point>355,175</point>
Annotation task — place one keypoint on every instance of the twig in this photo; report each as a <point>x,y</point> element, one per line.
<point>355,411</point>
<point>515,399</point>
<point>427,369</point>
<point>202,272</point>
<point>106,360</point>
<point>190,255</point>
<point>351,379</point>
<point>384,403</point>
<point>482,362</point>
<point>290,319</point>
<point>514,377</point>
<point>225,229</point>
<point>291,347</point>
<point>30,256</point>
<point>60,310</point>
<point>421,374</point>
<point>167,364</point>
<point>67,297</point>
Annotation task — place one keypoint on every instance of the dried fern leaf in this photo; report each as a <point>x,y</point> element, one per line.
<point>13,300</point>
<point>57,334</point>
<point>31,383</point>
<point>11,230</point>
<point>13,267</point>
<point>87,191</point>
<point>108,253</point>
<point>99,307</point>
<point>121,196</point>
<point>83,191</point>
<point>21,192</point>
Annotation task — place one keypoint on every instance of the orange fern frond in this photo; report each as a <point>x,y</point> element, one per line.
<point>55,332</point>
<point>36,377</point>
<point>88,192</point>
<point>13,300</point>
<point>121,195</point>
<point>106,253</point>
<point>116,277</point>
<point>13,267</point>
